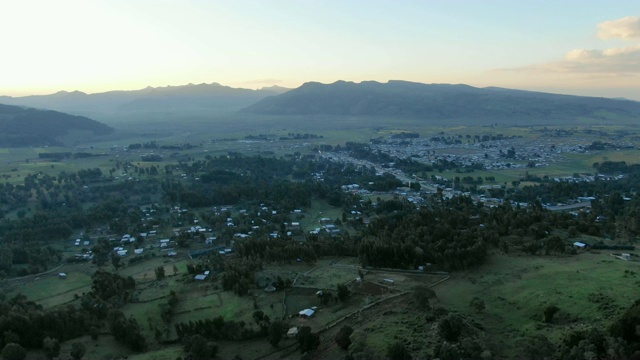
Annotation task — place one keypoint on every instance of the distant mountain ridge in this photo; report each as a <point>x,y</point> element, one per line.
<point>21,126</point>
<point>191,97</point>
<point>403,99</point>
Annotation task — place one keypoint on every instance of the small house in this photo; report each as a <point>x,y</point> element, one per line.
<point>293,332</point>
<point>306,313</point>
<point>62,275</point>
<point>200,277</point>
<point>580,245</point>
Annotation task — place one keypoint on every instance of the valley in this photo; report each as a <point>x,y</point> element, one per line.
<point>247,236</point>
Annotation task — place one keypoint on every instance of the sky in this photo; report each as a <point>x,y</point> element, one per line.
<point>581,47</point>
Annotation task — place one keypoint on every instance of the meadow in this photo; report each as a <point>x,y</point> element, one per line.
<point>588,288</point>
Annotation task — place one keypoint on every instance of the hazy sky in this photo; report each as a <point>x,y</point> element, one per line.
<point>580,47</point>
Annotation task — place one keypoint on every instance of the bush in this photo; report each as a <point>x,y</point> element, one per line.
<point>477,304</point>
<point>397,351</point>
<point>13,351</point>
<point>549,312</point>
<point>343,337</point>
<point>451,327</point>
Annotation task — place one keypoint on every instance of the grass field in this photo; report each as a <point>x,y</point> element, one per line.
<point>49,290</point>
<point>589,288</point>
<point>318,210</point>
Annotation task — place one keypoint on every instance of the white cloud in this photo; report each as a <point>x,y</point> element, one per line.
<point>614,61</point>
<point>627,28</point>
<point>607,63</point>
<point>579,54</point>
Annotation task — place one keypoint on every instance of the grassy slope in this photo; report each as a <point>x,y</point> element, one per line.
<point>516,290</point>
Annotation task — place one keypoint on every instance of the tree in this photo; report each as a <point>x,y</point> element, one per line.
<point>343,292</point>
<point>421,295</point>
<point>159,273</point>
<point>343,337</point>
<point>94,332</point>
<point>451,327</point>
<point>78,350</point>
<point>595,342</point>
<point>197,347</point>
<point>626,326</point>
<point>116,260</point>
<point>397,351</point>
<point>276,328</point>
<point>51,347</point>
<point>13,351</point>
<point>307,340</point>
<point>10,336</point>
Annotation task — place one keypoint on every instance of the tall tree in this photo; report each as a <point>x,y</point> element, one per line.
<point>343,292</point>
<point>343,337</point>
<point>276,329</point>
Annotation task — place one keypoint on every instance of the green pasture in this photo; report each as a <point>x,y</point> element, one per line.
<point>165,353</point>
<point>398,320</point>
<point>589,288</point>
<point>49,290</point>
<point>631,156</point>
<point>328,277</point>
<point>145,270</point>
<point>106,347</point>
<point>319,209</point>
<point>197,304</point>
<point>147,315</point>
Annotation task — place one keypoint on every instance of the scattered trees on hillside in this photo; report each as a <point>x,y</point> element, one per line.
<point>127,331</point>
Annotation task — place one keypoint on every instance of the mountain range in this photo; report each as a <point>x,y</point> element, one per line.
<point>186,98</point>
<point>436,102</point>
<point>368,103</point>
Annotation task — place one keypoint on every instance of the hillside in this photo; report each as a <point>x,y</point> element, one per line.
<point>186,98</point>
<point>31,127</point>
<point>401,99</point>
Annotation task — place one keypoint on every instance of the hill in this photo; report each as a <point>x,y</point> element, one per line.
<point>31,127</point>
<point>203,98</point>
<point>402,99</point>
